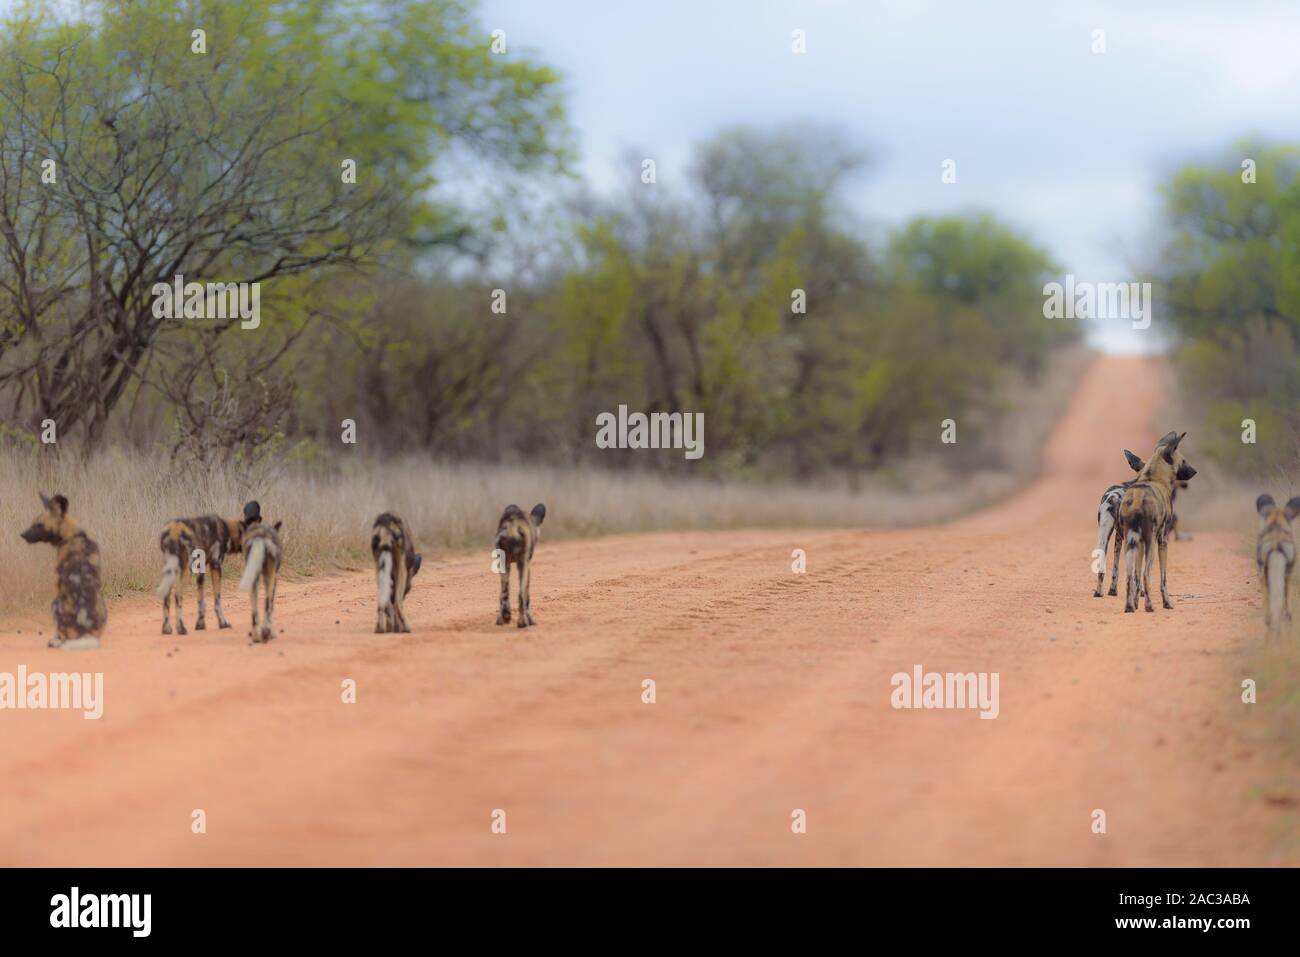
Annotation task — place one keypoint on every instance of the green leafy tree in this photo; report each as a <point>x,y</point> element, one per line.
<point>226,165</point>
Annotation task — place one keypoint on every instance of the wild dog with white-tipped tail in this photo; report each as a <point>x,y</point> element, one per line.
<point>261,563</point>
<point>1108,524</point>
<point>517,536</point>
<point>214,536</point>
<point>1146,513</point>
<point>1275,555</point>
<point>396,562</point>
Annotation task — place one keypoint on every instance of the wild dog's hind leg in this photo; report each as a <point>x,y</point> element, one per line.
<point>216,596</point>
<point>1164,586</point>
<point>1114,573</point>
<point>1130,574</point>
<point>1148,558</point>
<point>1105,525</point>
<point>252,604</point>
<point>268,626</point>
<point>176,594</point>
<point>503,615</point>
<point>525,576</point>
<point>167,611</point>
<point>399,599</point>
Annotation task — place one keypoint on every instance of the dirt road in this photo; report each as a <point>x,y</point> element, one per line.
<point>772,694</point>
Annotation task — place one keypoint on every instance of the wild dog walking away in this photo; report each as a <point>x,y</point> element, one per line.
<point>1108,523</point>
<point>1146,515</point>
<point>1107,518</point>
<point>517,536</point>
<point>261,562</point>
<point>80,612</point>
<point>1275,554</point>
<point>396,562</point>
<point>216,537</point>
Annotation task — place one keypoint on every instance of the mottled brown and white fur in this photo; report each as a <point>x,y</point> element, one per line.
<point>1275,555</point>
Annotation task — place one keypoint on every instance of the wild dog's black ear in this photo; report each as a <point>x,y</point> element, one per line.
<point>539,513</point>
<point>45,502</point>
<point>252,512</point>
<point>277,526</point>
<point>1184,473</point>
<point>1169,439</point>
<point>1179,441</point>
<point>61,504</point>
<point>1293,508</point>
<point>1135,463</point>
<point>1264,503</point>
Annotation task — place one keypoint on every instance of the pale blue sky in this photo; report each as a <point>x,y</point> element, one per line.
<point>1067,144</point>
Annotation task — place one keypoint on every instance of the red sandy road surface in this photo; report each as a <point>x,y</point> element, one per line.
<point>773,694</point>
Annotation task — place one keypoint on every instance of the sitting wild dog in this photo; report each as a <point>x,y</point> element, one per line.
<point>1275,554</point>
<point>1146,514</point>
<point>1107,523</point>
<point>261,561</point>
<point>80,612</point>
<point>216,537</point>
<point>396,562</point>
<point>517,536</point>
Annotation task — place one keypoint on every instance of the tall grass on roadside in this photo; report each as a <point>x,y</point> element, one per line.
<point>123,498</point>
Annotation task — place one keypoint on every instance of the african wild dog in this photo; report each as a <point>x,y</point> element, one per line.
<point>1275,554</point>
<point>1107,517</point>
<point>517,536</point>
<point>1146,514</point>
<point>216,538</point>
<point>396,562</point>
<point>1108,522</point>
<point>80,612</point>
<point>261,562</point>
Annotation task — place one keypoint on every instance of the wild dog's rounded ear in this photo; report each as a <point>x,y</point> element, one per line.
<point>1169,439</point>
<point>61,503</point>
<point>1178,441</point>
<point>1293,507</point>
<point>1264,503</point>
<point>1135,463</point>
<point>45,502</point>
<point>277,526</point>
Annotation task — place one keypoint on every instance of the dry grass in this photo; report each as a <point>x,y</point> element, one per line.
<point>122,500</point>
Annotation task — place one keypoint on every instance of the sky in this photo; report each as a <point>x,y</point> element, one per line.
<point>1069,145</point>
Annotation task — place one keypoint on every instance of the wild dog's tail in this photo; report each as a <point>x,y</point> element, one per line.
<point>171,571</point>
<point>1105,525</point>
<point>385,578</point>
<point>1275,575</point>
<point>253,564</point>
<point>1139,529</point>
